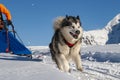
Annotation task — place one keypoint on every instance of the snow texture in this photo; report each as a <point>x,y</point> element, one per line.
<point>99,63</point>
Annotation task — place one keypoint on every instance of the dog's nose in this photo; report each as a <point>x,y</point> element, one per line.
<point>77,32</point>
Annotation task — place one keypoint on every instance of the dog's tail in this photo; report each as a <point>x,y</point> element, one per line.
<point>57,23</point>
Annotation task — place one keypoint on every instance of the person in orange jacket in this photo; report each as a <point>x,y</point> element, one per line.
<point>6,12</point>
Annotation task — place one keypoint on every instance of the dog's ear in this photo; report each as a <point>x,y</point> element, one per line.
<point>79,20</point>
<point>67,17</point>
<point>78,17</point>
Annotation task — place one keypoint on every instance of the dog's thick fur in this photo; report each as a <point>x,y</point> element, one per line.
<point>66,42</point>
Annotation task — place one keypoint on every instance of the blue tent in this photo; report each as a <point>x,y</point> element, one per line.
<point>9,41</point>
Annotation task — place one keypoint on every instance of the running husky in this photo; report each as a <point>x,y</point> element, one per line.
<point>66,42</point>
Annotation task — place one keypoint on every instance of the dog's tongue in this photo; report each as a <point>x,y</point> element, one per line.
<point>75,36</point>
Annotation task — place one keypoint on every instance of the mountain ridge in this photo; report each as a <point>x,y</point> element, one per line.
<point>108,35</point>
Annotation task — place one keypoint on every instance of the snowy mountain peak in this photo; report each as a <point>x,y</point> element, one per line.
<point>113,29</point>
<point>107,35</point>
<point>113,22</point>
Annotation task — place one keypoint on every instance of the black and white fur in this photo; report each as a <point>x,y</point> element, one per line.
<point>66,42</point>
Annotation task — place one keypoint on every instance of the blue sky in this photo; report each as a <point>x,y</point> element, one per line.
<point>33,19</point>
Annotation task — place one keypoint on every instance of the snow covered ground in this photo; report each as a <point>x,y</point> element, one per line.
<point>99,62</point>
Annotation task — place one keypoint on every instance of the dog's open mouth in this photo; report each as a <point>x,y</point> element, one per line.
<point>74,35</point>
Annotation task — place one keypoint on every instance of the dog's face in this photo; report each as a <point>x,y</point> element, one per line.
<point>71,28</point>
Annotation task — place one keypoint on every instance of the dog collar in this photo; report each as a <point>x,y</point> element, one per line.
<point>69,44</point>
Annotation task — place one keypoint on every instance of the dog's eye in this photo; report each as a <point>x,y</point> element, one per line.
<point>78,26</point>
<point>72,27</point>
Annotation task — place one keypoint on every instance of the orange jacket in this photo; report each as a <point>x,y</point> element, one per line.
<point>5,11</point>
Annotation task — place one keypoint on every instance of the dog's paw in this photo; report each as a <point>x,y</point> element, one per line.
<point>80,69</point>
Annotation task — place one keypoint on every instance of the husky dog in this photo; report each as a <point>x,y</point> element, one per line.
<point>66,42</point>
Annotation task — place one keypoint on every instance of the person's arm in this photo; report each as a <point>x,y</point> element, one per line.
<point>5,11</point>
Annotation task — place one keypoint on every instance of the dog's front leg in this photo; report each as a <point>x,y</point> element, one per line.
<point>62,63</point>
<point>78,62</point>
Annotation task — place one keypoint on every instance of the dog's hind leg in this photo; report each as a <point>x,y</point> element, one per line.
<point>62,63</point>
